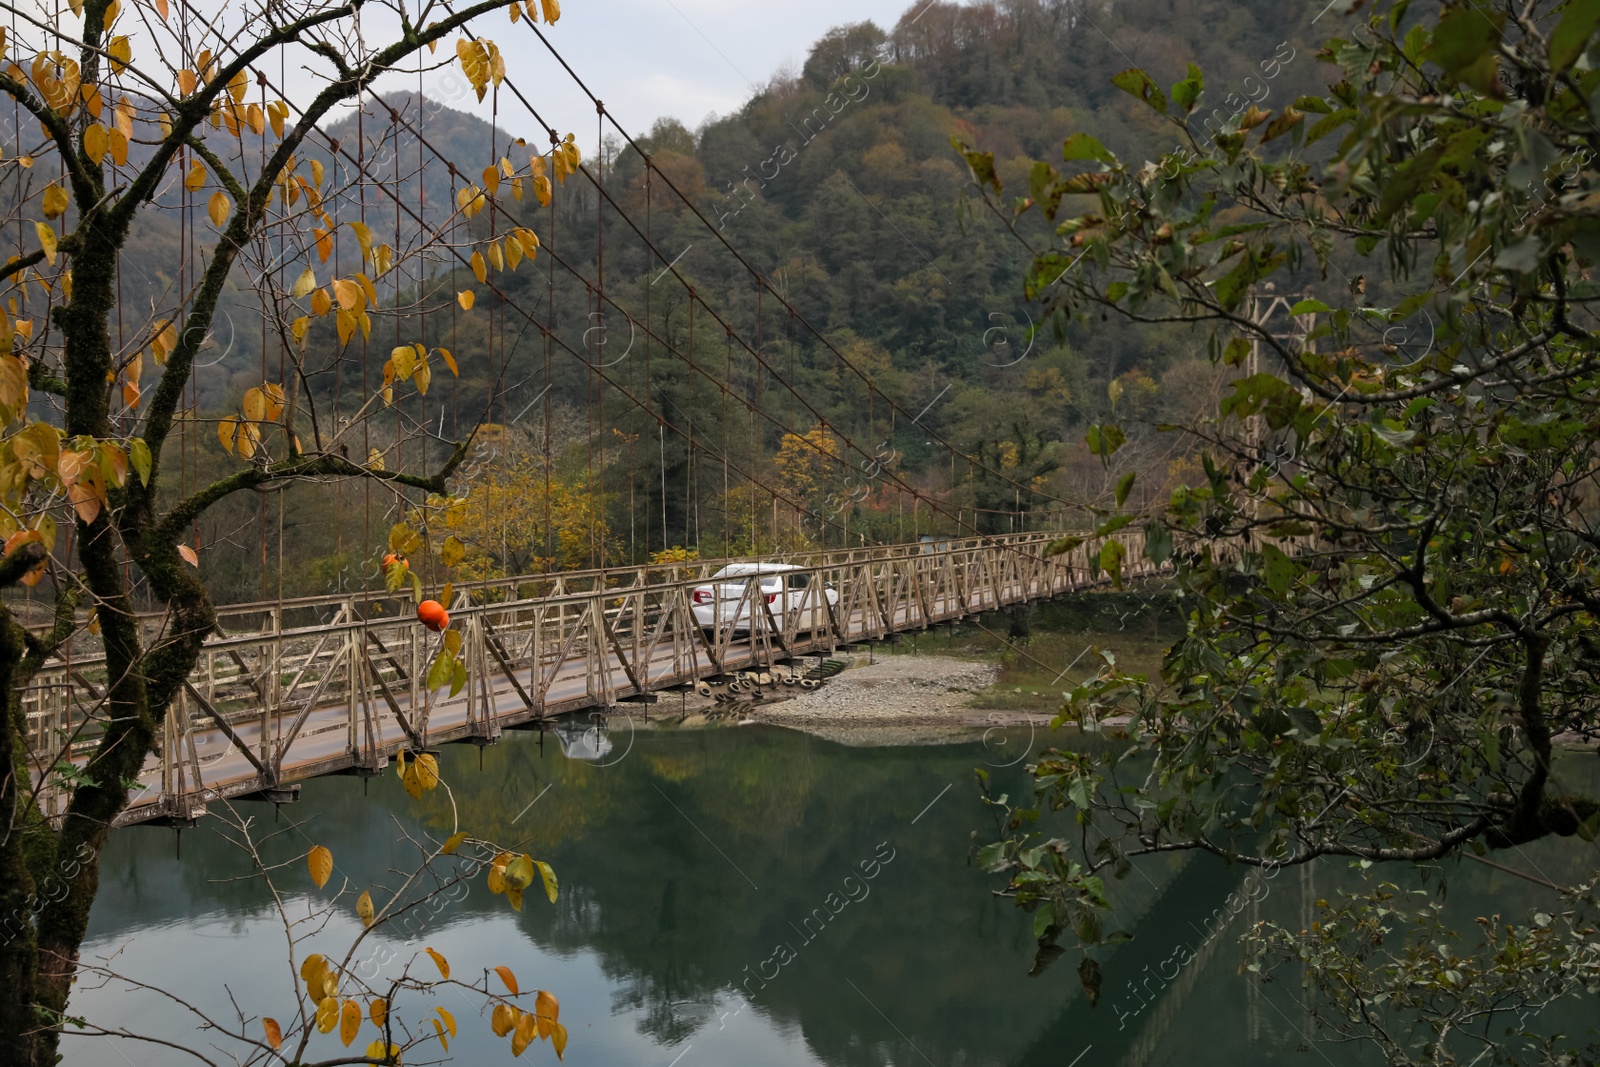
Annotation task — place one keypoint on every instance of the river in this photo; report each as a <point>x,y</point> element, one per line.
<point>689,860</point>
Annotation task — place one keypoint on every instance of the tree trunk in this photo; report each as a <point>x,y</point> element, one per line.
<point>130,728</point>
<point>19,959</point>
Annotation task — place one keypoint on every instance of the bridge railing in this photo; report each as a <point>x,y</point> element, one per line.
<point>301,696</point>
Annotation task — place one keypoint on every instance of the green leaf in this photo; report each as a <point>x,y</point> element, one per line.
<point>1062,545</point>
<point>1125,486</point>
<point>1463,44</point>
<point>1137,83</point>
<point>1157,543</point>
<point>1112,553</point>
<point>139,456</point>
<point>1307,307</point>
<point>1086,146</point>
<point>982,164</point>
<point>440,671</point>
<point>1277,568</point>
<point>1111,526</point>
<point>1187,92</point>
<point>1571,36</point>
<point>1105,440</point>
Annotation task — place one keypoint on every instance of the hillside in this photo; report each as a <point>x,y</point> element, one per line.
<point>839,184</point>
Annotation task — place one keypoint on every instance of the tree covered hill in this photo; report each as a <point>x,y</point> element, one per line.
<point>839,183</point>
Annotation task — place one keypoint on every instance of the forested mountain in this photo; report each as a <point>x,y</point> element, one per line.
<point>839,185</point>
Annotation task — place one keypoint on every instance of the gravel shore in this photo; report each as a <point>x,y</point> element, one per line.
<point>896,700</point>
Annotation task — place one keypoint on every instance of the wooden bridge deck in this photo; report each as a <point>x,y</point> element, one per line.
<point>334,685</point>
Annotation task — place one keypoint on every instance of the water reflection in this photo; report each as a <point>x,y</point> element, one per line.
<point>737,896</point>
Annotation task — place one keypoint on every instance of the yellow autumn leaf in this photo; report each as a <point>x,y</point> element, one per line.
<point>121,53</point>
<point>312,965</point>
<point>47,241</point>
<point>514,897</point>
<point>255,405</point>
<point>349,294</point>
<point>319,861</point>
<point>218,208</point>
<point>491,178</point>
<point>365,910</point>
<point>54,202</point>
<point>439,961</point>
<point>546,1006</point>
<point>504,1019</point>
<point>378,1010</point>
<point>304,284</point>
<point>196,178</point>
<point>527,1030</point>
<point>228,434</point>
<point>427,767</point>
<point>478,269</point>
<point>519,872</point>
<point>119,148</point>
<point>423,377</point>
<point>349,1022</point>
<point>449,1020</point>
<point>449,361</point>
<point>378,1052</point>
<point>163,340</point>
<point>547,875</point>
<point>327,1014</point>
<point>464,298</point>
<point>558,1040</point>
<point>321,302</point>
<point>275,400</point>
<point>363,237</point>
<point>274,1032</point>
<point>95,142</point>
<point>496,259</point>
<point>552,9</point>
<point>455,839</point>
<point>248,438</point>
<point>345,325</point>
<point>508,978</point>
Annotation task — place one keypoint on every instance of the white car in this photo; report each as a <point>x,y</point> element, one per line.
<point>730,602</point>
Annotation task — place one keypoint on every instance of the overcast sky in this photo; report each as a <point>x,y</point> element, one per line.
<point>652,58</point>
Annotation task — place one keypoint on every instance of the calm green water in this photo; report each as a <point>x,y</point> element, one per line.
<point>687,861</point>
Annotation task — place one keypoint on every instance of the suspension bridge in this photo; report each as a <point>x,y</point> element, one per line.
<point>298,689</point>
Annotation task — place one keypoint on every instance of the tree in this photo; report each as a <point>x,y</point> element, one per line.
<point>122,115</point>
<point>1389,566</point>
<point>526,512</point>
